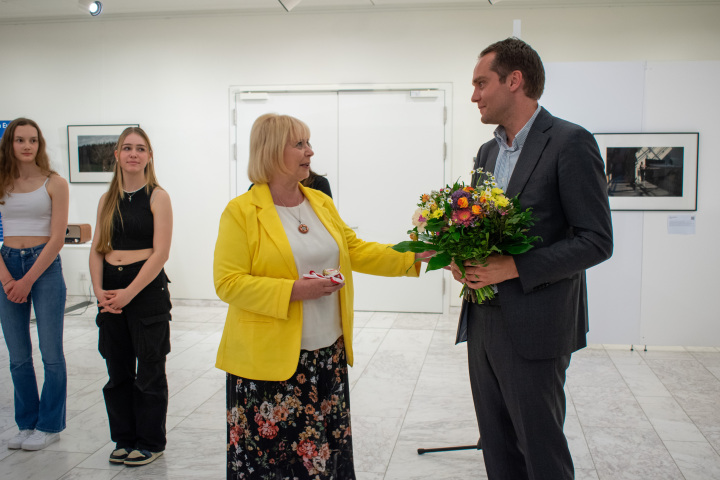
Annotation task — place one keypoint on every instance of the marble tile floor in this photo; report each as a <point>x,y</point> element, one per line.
<point>631,414</point>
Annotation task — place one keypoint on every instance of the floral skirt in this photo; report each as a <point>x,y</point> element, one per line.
<point>296,429</point>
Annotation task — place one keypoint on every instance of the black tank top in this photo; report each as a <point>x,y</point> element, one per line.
<point>135,231</point>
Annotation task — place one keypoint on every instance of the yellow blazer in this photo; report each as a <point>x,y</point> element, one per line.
<point>254,271</point>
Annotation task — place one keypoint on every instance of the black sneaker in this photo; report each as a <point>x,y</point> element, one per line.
<point>119,455</point>
<point>141,457</point>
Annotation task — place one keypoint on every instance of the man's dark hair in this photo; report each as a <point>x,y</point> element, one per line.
<point>513,54</point>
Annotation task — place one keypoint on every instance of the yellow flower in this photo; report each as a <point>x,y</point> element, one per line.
<point>497,191</point>
<point>502,201</point>
<point>426,213</point>
<point>437,213</point>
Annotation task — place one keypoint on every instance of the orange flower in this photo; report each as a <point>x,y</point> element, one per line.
<point>469,189</point>
<point>476,210</point>
<point>462,202</point>
<point>425,197</point>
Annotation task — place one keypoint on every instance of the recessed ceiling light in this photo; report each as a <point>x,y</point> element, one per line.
<point>91,7</point>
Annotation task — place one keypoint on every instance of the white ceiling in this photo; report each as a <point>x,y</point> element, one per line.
<point>17,11</point>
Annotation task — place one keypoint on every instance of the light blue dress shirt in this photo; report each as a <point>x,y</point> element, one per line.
<point>508,155</point>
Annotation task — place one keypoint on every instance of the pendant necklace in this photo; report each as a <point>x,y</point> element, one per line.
<point>302,228</point>
<point>130,194</point>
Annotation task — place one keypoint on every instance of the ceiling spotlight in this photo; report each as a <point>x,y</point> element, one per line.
<point>289,4</point>
<point>93,8</point>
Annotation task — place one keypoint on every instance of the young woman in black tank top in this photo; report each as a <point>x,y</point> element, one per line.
<point>130,247</point>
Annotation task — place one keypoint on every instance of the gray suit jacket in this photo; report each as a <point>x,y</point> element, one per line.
<point>560,175</point>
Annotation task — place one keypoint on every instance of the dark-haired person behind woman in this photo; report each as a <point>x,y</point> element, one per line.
<point>129,249</point>
<point>314,181</point>
<point>318,182</point>
<point>34,206</point>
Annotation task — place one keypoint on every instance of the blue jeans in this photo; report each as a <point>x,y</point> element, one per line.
<point>45,412</point>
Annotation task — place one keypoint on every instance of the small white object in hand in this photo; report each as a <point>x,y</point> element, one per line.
<point>331,273</point>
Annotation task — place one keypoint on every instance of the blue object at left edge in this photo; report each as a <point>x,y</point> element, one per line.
<point>3,125</point>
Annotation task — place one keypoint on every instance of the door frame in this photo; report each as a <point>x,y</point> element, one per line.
<point>257,91</point>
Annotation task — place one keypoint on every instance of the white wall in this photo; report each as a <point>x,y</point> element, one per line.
<point>172,75</point>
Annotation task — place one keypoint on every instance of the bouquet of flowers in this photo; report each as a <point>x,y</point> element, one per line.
<point>469,223</point>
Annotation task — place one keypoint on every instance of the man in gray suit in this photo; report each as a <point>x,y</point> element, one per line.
<point>520,343</point>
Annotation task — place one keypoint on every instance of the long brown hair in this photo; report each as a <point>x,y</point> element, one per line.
<point>115,193</point>
<point>9,170</point>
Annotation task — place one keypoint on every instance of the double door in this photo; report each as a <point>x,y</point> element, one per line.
<point>380,149</point>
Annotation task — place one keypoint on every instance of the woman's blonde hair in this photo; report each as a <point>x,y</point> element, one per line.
<point>9,170</point>
<point>115,193</point>
<point>269,135</point>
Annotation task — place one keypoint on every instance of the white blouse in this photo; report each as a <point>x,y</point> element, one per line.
<point>315,250</point>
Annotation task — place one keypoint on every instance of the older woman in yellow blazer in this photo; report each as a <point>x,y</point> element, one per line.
<point>287,340</point>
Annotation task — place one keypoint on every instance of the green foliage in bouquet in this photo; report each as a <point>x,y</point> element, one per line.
<point>462,223</point>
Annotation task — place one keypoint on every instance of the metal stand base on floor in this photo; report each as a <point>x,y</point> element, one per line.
<point>71,308</point>
<point>448,449</point>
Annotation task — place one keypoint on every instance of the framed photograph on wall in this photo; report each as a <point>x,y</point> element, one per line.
<point>91,151</point>
<point>650,171</point>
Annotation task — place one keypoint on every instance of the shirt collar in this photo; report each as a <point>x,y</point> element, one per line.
<point>519,140</point>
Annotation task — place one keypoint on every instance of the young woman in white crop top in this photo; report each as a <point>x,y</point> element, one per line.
<point>34,207</point>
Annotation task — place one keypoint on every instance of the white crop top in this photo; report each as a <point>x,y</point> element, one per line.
<point>27,214</point>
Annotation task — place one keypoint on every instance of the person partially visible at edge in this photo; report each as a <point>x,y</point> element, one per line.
<point>287,341</point>
<point>129,250</point>
<point>520,343</point>
<point>316,181</point>
<point>34,206</point>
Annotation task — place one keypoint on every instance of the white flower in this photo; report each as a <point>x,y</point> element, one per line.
<point>318,464</point>
<point>416,220</point>
<point>266,410</point>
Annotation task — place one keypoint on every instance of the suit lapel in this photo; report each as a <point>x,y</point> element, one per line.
<point>491,154</point>
<point>269,220</point>
<point>531,152</point>
<point>487,157</point>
